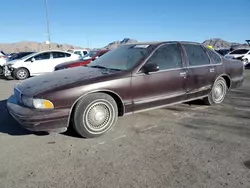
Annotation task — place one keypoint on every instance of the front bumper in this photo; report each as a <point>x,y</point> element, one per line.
<point>7,71</point>
<point>38,120</point>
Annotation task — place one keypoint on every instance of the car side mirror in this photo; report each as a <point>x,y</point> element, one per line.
<point>150,67</point>
<point>33,59</point>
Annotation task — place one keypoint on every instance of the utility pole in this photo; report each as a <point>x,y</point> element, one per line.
<point>47,18</point>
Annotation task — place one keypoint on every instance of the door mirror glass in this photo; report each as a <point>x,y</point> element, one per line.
<point>150,67</point>
<point>32,59</point>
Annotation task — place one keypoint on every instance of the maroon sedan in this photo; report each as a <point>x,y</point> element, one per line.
<point>129,79</point>
<point>93,55</point>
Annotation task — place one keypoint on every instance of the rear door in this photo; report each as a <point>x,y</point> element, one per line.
<point>58,58</point>
<point>160,88</point>
<point>201,73</point>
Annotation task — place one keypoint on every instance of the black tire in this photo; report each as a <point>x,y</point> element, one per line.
<point>218,92</point>
<point>1,70</point>
<point>21,73</point>
<point>89,109</point>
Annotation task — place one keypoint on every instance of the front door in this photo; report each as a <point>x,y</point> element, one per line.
<point>201,73</point>
<point>157,89</point>
<point>40,63</point>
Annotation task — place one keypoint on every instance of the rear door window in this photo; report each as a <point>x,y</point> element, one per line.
<point>42,56</point>
<point>58,55</point>
<point>196,55</point>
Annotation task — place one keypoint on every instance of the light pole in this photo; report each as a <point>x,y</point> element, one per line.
<point>47,18</point>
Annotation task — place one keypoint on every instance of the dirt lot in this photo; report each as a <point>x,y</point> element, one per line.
<point>181,146</point>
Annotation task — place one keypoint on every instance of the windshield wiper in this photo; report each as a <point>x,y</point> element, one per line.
<point>102,67</point>
<point>98,66</point>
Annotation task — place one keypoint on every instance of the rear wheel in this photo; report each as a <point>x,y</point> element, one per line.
<point>21,74</point>
<point>218,93</point>
<point>94,115</point>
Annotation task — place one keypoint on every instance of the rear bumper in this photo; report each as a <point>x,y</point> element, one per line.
<point>236,82</point>
<point>34,120</point>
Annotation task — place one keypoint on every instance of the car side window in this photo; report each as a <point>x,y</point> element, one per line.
<point>215,57</point>
<point>67,54</point>
<point>85,52</point>
<point>42,56</point>
<point>167,57</point>
<point>78,53</point>
<point>58,55</point>
<point>196,55</point>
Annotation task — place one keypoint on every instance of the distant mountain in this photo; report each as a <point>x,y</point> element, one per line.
<point>219,43</point>
<point>115,44</point>
<point>26,46</point>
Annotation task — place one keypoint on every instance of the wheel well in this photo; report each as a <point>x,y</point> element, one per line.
<point>118,102</point>
<point>23,68</point>
<point>228,81</point>
<point>113,95</point>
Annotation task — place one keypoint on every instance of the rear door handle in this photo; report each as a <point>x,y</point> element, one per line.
<point>211,70</point>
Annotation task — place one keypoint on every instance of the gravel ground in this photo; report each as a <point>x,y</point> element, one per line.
<point>180,146</point>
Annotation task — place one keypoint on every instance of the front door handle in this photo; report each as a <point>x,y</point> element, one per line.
<point>183,74</point>
<point>211,70</point>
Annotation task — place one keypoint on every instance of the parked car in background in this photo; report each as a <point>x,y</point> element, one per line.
<point>81,52</point>
<point>18,55</point>
<point>3,60</point>
<point>240,54</point>
<point>223,51</point>
<point>82,61</point>
<point>37,64</point>
<point>130,78</point>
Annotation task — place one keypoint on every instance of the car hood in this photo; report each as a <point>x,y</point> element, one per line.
<point>12,62</point>
<point>42,83</point>
<point>66,64</point>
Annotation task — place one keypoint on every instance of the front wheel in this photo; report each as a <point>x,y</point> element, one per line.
<point>21,74</point>
<point>218,93</point>
<point>246,62</point>
<point>1,70</point>
<point>94,115</point>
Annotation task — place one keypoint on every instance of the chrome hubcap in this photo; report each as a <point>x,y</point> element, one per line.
<point>22,74</point>
<point>98,116</point>
<point>219,92</point>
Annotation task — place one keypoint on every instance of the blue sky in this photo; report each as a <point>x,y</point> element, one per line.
<point>102,21</point>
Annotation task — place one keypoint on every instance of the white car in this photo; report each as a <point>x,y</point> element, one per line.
<point>81,52</point>
<point>242,54</point>
<point>37,63</point>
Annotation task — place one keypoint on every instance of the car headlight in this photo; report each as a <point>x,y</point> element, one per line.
<point>37,103</point>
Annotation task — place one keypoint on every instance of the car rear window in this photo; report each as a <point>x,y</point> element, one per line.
<point>215,57</point>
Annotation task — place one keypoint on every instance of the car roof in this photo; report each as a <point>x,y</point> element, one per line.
<point>78,49</point>
<point>53,51</point>
<point>162,42</point>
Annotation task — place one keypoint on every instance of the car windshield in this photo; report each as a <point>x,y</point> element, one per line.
<point>90,54</point>
<point>122,58</point>
<point>242,51</point>
<point>28,56</point>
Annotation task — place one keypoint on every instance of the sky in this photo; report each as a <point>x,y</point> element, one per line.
<point>95,23</point>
